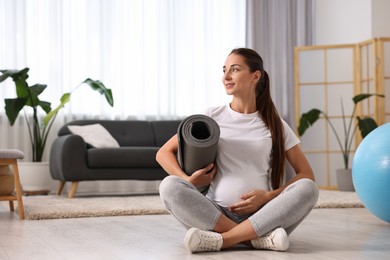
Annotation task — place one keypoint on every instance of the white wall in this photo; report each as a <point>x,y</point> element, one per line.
<point>380,18</point>
<point>343,21</point>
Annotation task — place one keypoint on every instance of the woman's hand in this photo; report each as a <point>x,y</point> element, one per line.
<point>204,176</point>
<point>251,202</point>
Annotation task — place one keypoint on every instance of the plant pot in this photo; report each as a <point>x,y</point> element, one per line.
<point>344,180</point>
<point>35,178</point>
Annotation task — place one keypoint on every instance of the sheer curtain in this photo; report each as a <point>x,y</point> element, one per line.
<point>161,58</point>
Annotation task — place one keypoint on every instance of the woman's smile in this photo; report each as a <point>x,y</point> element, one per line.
<point>229,85</point>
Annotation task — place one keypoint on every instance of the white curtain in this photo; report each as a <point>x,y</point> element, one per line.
<point>162,58</point>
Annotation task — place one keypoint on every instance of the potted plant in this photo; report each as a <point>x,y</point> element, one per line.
<point>28,96</point>
<point>365,125</point>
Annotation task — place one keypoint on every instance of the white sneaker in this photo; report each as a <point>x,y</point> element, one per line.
<point>275,240</point>
<point>198,240</point>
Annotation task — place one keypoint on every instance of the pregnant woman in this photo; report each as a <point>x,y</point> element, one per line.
<point>247,200</point>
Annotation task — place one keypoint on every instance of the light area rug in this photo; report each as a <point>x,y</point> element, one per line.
<point>56,207</point>
<point>338,199</point>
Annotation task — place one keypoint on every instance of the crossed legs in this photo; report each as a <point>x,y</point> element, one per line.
<point>193,209</point>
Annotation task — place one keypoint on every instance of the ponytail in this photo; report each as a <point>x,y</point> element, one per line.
<point>271,118</point>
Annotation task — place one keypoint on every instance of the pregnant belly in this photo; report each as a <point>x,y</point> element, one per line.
<point>227,191</point>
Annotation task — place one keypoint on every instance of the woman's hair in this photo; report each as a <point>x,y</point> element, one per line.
<point>268,113</point>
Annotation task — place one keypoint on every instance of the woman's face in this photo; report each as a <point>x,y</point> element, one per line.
<point>237,78</point>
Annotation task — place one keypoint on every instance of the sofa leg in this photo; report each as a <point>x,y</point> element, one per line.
<point>73,189</point>
<point>60,187</point>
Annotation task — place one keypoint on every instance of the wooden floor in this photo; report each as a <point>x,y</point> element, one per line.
<point>325,234</point>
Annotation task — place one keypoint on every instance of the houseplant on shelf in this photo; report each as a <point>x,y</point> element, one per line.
<point>365,125</point>
<point>28,96</point>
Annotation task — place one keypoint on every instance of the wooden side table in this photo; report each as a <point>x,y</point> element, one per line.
<point>10,157</point>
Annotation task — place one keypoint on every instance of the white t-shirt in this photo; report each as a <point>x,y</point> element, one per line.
<point>243,157</point>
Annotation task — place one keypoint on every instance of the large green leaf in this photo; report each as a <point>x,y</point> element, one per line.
<point>5,74</point>
<point>64,99</point>
<point>99,86</point>
<point>22,89</point>
<point>307,119</point>
<point>33,99</point>
<point>360,97</point>
<point>14,74</point>
<point>366,125</point>
<point>46,106</point>
<point>13,107</point>
<point>19,77</point>
<point>38,88</point>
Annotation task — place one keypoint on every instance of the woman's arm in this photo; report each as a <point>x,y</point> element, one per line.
<point>166,157</point>
<point>300,164</point>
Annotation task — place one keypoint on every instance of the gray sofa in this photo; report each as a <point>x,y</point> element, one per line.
<point>73,160</point>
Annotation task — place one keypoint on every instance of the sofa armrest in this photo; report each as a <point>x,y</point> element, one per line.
<point>68,158</point>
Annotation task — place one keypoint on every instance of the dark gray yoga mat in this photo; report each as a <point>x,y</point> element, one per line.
<point>198,137</point>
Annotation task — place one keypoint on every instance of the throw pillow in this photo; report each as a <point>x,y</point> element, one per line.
<point>95,135</point>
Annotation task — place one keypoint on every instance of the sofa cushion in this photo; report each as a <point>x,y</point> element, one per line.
<point>95,135</point>
<point>123,157</point>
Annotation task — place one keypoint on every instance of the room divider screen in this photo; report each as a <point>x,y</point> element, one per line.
<point>384,78</point>
<point>327,77</point>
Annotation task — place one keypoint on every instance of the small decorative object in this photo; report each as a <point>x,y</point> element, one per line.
<point>28,96</point>
<point>7,185</point>
<point>366,125</point>
<point>371,172</point>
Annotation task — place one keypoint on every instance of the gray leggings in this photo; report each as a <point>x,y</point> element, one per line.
<point>193,209</point>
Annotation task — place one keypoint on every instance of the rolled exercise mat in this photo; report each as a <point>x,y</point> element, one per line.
<point>198,137</point>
